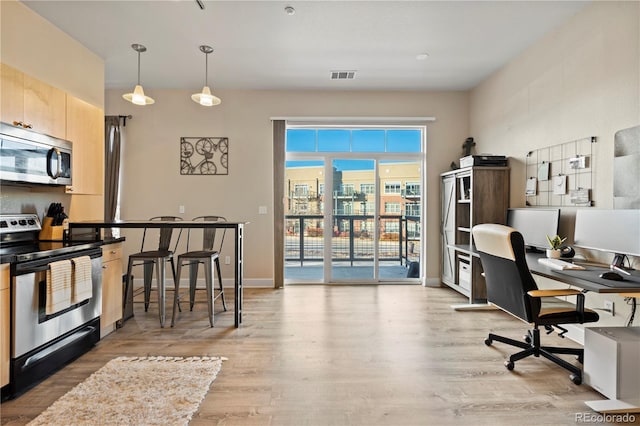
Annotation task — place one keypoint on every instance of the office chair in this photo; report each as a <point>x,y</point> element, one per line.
<point>209,256</point>
<point>158,257</point>
<point>511,288</point>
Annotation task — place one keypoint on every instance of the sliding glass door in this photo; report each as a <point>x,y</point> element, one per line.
<point>353,204</point>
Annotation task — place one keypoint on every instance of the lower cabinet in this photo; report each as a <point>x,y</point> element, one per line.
<point>111,286</point>
<point>4,324</point>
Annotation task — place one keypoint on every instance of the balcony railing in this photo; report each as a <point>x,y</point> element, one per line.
<point>352,238</point>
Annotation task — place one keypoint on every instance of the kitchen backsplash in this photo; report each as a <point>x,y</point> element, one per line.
<point>35,199</point>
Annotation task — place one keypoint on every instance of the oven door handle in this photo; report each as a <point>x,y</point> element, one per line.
<point>41,265</point>
<point>32,267</point>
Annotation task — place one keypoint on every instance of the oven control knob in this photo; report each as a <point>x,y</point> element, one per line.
<point>14,222</point>
<point>22,222</point>
<point>31,222</point>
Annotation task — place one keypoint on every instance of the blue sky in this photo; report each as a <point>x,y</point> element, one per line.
<point>356,140</point>
<point>350,140</point>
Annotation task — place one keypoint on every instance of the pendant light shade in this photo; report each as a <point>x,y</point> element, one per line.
<point>137,96</point>
<point>205,98</point>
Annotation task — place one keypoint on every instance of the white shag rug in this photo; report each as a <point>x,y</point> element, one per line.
<point>136,391</point>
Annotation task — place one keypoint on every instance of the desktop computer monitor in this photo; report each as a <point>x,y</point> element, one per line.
<point>534,225</point>
<point>613,231</point>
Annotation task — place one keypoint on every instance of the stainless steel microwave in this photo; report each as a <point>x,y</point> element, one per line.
<point>30,157</point>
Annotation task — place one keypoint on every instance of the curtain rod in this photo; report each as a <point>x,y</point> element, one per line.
<point>370,119</point>
<point>124,119</point>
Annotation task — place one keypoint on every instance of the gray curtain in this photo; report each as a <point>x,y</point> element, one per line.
<point>112,139</point>
<point>279,129</point>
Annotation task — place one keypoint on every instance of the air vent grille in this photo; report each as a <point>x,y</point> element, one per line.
<point>343,75</point>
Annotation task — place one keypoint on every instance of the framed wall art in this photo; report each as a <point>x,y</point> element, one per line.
<point>204,156</point>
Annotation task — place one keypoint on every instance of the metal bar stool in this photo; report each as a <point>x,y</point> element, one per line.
<point>158,257</point>
<point>209,256</point>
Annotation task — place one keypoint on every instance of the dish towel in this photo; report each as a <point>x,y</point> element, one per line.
<point>58,286</point>
<point>81,285</point>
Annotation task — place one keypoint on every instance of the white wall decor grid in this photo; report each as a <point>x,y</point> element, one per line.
<point>575,160</point>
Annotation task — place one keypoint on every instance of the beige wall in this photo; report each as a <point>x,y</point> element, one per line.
<point>38,48</point>
<point>153,185</point>
<point>581,80</point>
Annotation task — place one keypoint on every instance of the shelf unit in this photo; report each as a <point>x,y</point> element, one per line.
<point>470,196</point>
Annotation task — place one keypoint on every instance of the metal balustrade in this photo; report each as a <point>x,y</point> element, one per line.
<point>352,238</point>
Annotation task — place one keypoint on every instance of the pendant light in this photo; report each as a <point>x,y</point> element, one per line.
<point>138,97</point>
<point>205,98</point>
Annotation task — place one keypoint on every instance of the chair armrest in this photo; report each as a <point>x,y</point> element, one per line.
<point>562,292</point>
<point>553,293</point>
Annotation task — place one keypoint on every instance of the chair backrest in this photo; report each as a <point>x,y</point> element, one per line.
<point>507,276</point>
<point>164,240</point>
<point>209,234</point>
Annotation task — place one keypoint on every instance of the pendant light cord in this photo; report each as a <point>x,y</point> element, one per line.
<point>138,68</point>
<point>206,69</point>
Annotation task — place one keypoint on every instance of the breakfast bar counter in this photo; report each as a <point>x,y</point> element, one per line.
<point>91,231</point>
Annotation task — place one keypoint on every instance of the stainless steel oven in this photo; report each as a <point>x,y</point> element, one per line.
<point>30,157</point>
<point>42,343</point>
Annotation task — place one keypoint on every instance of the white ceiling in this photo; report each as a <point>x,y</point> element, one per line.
<point>258,46</point>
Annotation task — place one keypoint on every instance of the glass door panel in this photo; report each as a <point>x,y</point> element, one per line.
<point>353,218</point>
<point>304,221</point>
<point>400,235</point>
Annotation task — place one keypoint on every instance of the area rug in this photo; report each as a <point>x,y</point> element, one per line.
<point>136,391</point>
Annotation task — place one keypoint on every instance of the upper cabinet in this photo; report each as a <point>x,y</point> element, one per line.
<point>85,129</point>
<point>12,95</point>
<point>31,103</point>
<point>28,102</point>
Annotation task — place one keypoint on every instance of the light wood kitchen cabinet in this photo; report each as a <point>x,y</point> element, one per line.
<point>111,286</point>
<point>32,103</point>
<point>5,321</point>
<point>85,129</point>
<point>12,94</point>
<point>469,196</point>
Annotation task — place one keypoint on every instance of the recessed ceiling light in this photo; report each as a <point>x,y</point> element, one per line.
<point>422,56</point>
<point>289,10</point>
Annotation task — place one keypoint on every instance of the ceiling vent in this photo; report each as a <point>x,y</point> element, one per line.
<point>343,75</point>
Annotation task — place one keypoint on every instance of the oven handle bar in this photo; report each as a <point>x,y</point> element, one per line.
<point>40,265</point>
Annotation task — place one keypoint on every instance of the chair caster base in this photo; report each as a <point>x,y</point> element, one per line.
<point>575,379</point>
<point>510,365</point>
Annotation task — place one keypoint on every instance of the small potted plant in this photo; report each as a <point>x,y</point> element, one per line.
<point>555,243</point>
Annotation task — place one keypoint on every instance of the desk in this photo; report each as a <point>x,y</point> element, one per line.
<point>574,277</point>
<point>90,231</point>
<point>581,278</point>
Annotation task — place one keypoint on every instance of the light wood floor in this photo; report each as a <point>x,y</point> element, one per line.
<point>348,355</point>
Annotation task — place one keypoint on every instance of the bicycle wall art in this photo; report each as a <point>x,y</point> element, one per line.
<point>204,156</point>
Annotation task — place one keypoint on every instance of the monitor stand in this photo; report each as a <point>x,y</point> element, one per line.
<point>618,260</point>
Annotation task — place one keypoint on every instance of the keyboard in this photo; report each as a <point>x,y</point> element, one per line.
<point>560,264</point>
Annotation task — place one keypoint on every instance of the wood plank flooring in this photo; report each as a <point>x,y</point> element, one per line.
<point>343,355</point>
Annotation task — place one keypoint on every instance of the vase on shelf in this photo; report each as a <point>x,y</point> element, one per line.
<point>553,253</point>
